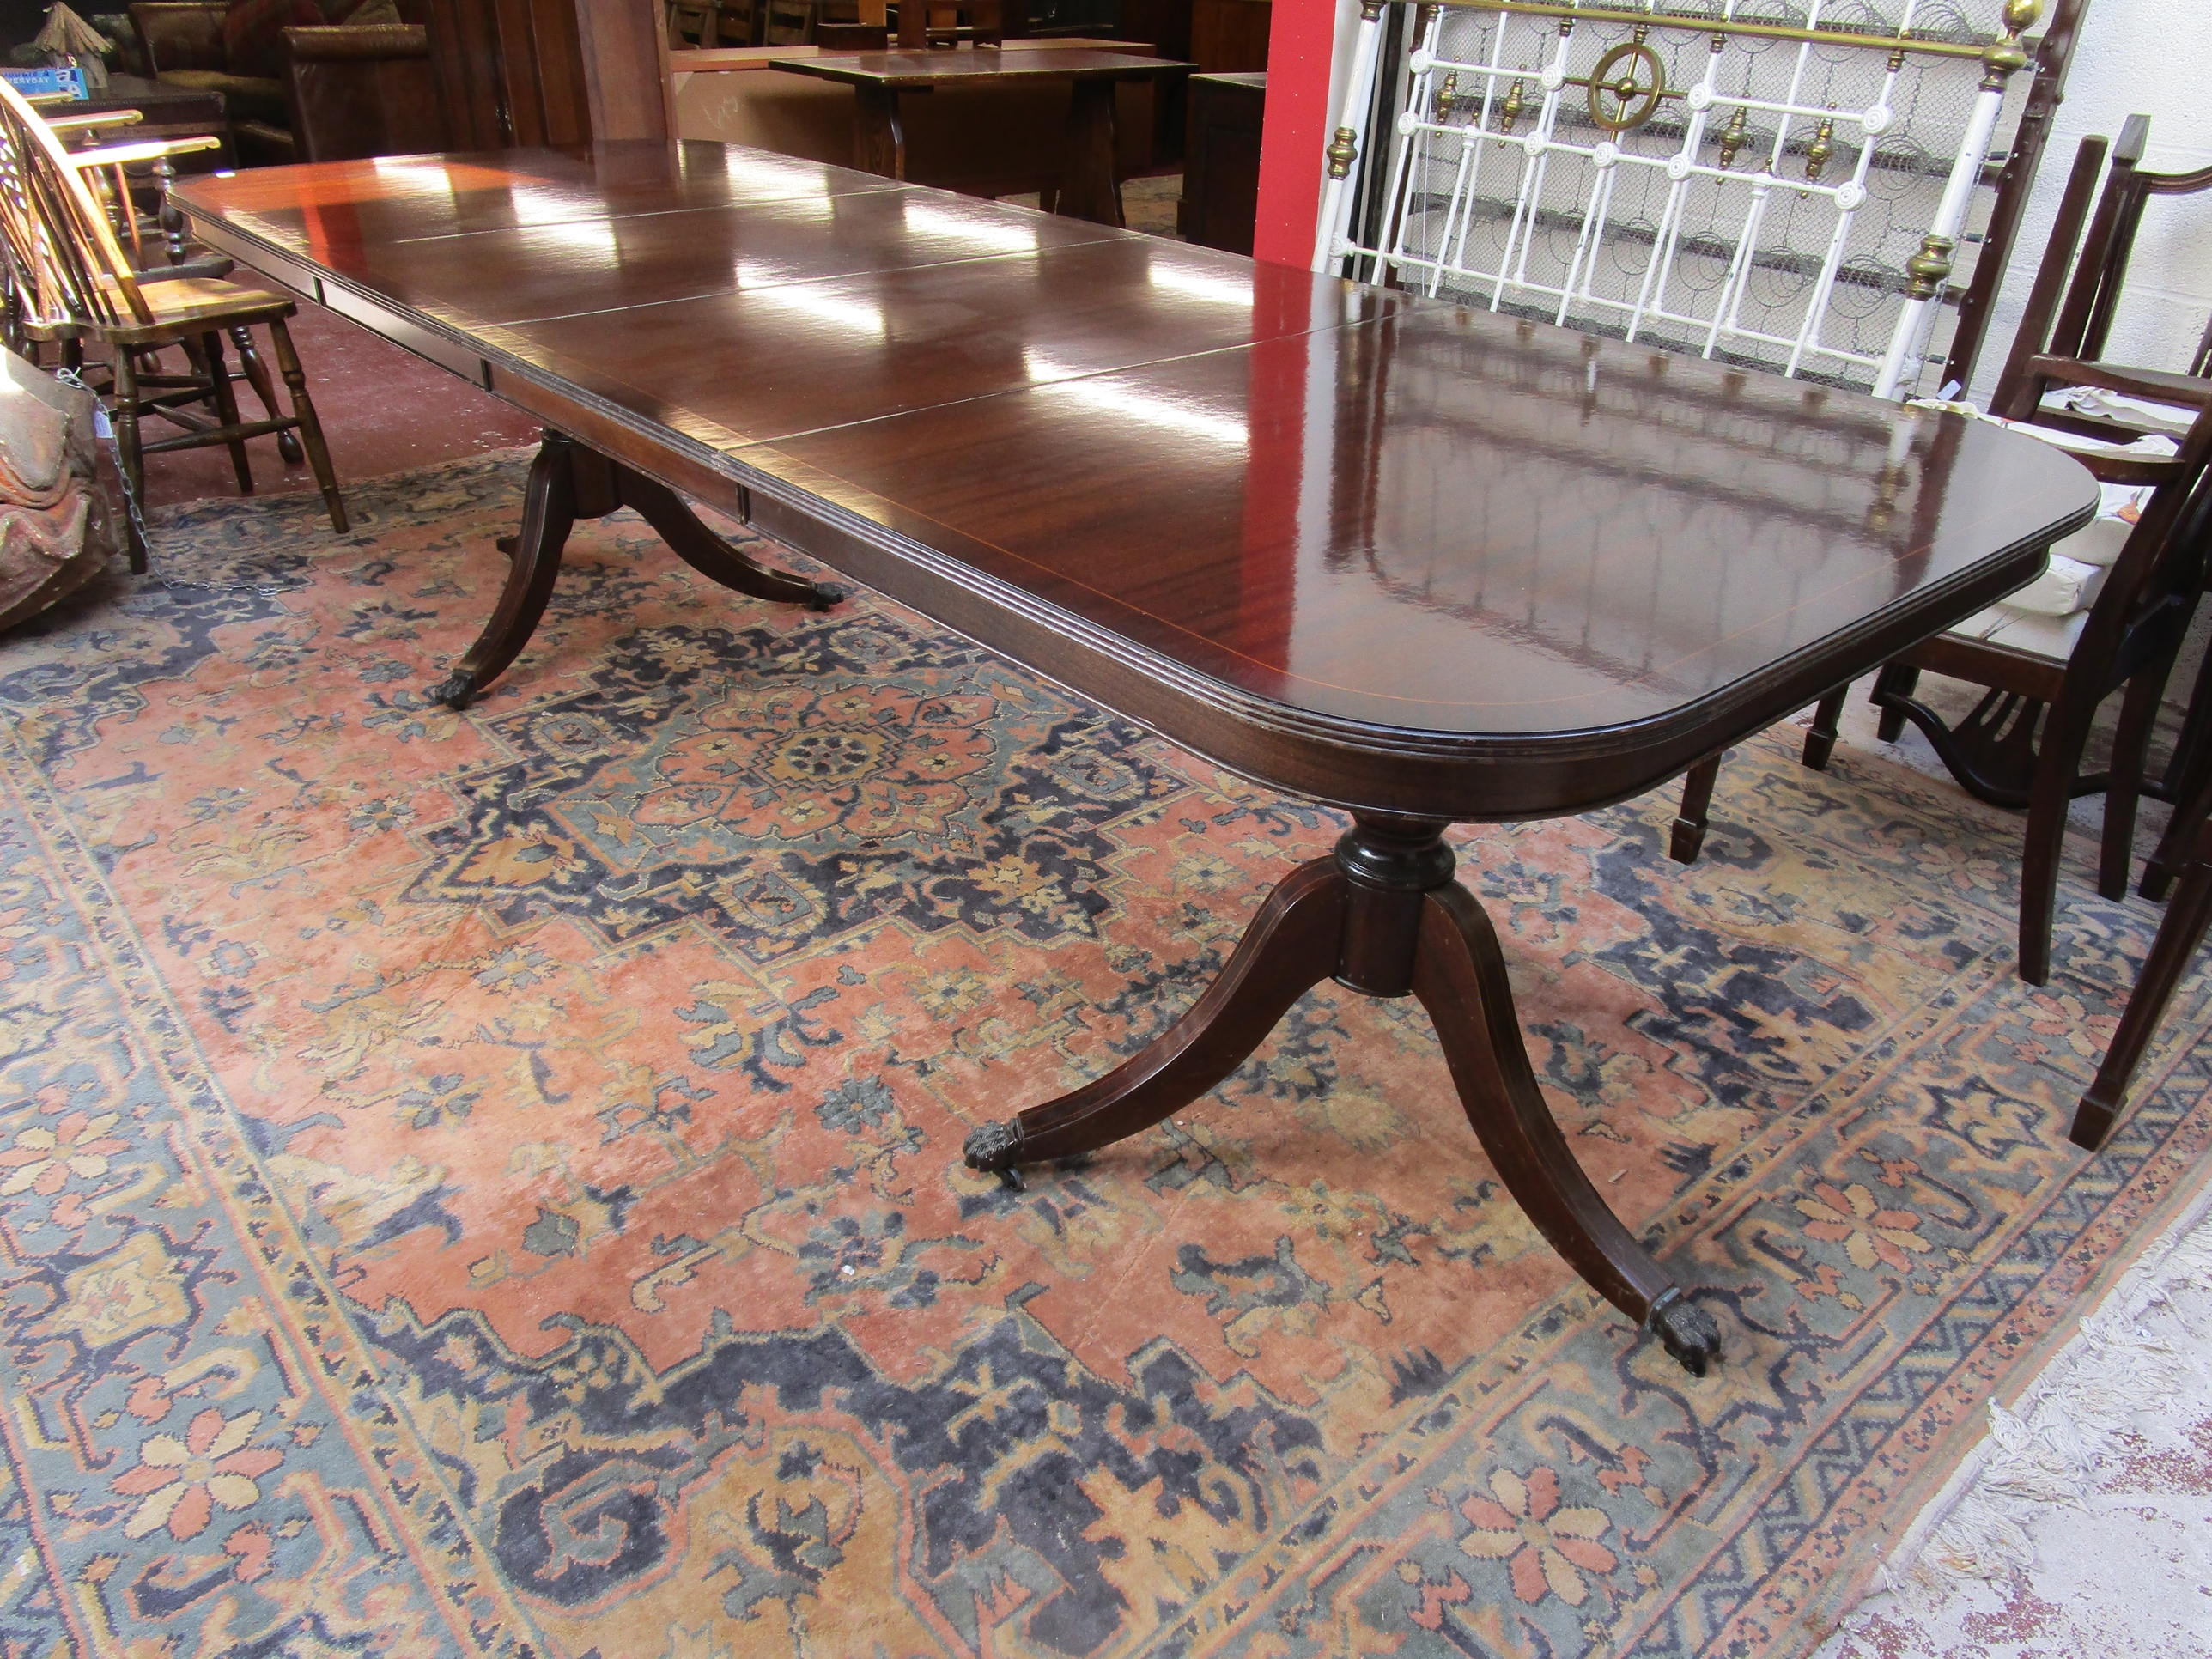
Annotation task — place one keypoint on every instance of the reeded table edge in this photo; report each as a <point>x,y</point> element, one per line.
<point>1332,759</point>
<point>840,68</point>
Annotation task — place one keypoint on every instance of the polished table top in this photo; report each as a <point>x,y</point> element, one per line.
<point>973,66</point>
<point>1397,553</point>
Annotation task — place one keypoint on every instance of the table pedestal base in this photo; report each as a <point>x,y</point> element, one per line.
<point>570,481</point>
<point>1383,915</point>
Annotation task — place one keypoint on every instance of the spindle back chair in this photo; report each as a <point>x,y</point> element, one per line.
<point>73,283</point>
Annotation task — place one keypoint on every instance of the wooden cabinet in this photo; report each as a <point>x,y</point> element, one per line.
<point>1221,164</point>
<point>549,71</point>
<point>1220,36</point>
<point>1228,37</point>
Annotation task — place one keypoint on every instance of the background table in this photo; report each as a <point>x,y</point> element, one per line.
<point>1087,191</point>
<point>167,111</point>
<point>1430,564</point>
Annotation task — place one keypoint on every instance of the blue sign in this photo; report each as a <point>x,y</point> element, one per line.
<point>54,82</point>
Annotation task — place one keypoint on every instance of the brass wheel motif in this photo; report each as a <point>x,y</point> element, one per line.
<point>1626,86</point>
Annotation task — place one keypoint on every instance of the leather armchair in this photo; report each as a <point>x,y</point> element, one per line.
<point>362,90</point>
<point>183,44</point>
<point>180,35</point>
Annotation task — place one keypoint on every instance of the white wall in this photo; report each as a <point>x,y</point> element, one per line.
<point>2135,57</point>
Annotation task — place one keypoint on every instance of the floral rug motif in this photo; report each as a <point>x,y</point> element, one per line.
<point>491,1183</point>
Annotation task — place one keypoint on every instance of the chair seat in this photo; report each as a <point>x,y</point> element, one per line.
<point>2117,415</point>
<point>192,305</point>
<point>2040,634</point>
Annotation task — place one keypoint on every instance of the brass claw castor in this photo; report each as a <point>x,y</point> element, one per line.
<point>1691,1334</point>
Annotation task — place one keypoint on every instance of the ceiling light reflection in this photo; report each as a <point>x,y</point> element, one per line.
<point>972,231</point>
<point>594,236</point>
<point>1214,286</point>
<point>817,209</point>
<point>839,310</point>
<point>1186,415</point>
<point>534,205</point>
<point>417,176</point>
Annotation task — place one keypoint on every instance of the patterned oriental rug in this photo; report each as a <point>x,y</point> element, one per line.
<point>491,1183</point>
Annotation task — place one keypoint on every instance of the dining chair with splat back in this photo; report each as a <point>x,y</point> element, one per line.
<point>2180,936</point>
<point>2023,745</point>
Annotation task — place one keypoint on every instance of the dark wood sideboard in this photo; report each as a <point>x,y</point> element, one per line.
<point>1220,201</point>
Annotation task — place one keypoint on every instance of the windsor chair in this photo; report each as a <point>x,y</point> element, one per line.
<point>74,284</point>
<point>107,168</point>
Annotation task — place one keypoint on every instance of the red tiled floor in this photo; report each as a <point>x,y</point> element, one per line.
<point>383,409</point>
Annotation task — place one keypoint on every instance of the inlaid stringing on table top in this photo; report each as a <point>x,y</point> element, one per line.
<point>1432,564</point>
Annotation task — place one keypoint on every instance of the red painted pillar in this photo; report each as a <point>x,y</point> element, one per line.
<point>1300,40</point>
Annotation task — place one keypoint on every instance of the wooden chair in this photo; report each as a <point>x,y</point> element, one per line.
<point>160,256</point>
<point>694,23</point>
<point>948,23</point>
<point>2083,323</point>
<point>738,23</point>
<point>74,284</point>
<point>2136,626</point>
<point>2023,743</point>
<point>2188,918</point>
<point>791,22</point>
<point>851,37</point>
<point>2079,329</point>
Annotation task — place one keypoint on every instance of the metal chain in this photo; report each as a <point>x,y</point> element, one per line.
<point>104,429</point>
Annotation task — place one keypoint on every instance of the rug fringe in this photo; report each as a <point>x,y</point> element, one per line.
<point>2149,1344</point>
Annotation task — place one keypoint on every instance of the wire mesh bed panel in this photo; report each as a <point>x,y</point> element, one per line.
<point>1784,186</point>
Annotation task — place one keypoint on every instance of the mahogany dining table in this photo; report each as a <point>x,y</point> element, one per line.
<point>1425,562</point>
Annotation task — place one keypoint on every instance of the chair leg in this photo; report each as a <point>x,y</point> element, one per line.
<point>1820,740</point>
<point>132,458</point>
<point>2057,762</point>
<point>2189,771</point>
<point>311,429</point>
<point>226,408</point>
<point>2131,750</point>
<point>2187,920</point>
<point>1894,680</point>
<point>257,372</point>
